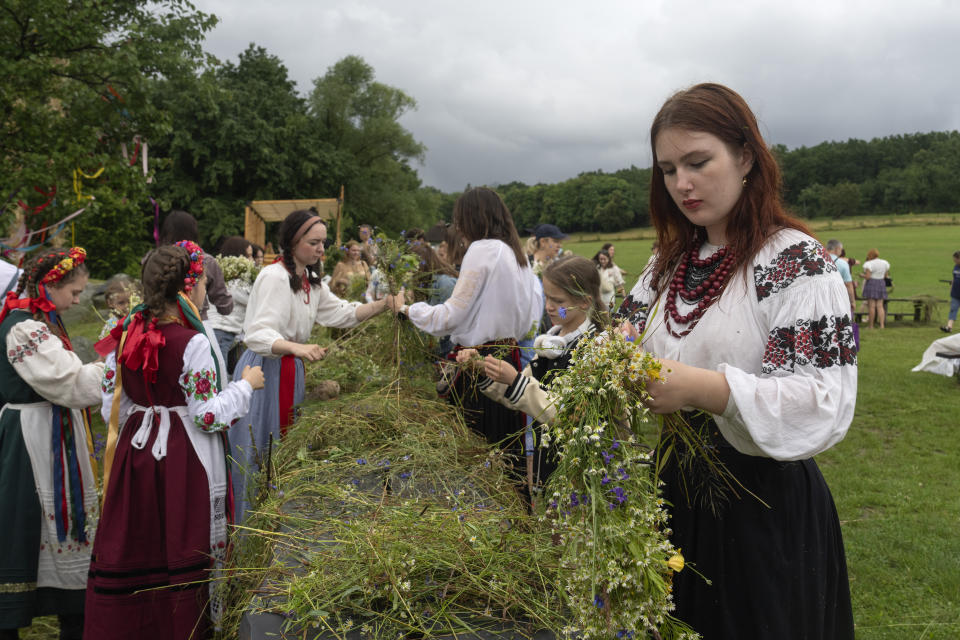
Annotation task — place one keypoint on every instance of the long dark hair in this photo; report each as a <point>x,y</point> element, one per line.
<point>288,229</point>
<point>579,279</point>
<point>480,214</point>
<point>234,246</point>
<point>721,112</point>
<point>179,225</point>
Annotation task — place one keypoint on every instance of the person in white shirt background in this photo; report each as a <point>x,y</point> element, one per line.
<point>496,302</point>
<point>287,299</point>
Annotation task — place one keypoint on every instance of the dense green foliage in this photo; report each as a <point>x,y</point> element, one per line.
<point>76,83</point>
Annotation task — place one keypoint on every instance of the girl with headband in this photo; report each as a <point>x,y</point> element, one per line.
<point>48,486</point>
<point>163,534</point>
<point>287,299</point>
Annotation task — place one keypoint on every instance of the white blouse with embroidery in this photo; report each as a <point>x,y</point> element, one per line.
<point>494,299</point>
<point>58,375</point>
<point>275,312</point>
<point>208,410</point>
<point>783,338</point>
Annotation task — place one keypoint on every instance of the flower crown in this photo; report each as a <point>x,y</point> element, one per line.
<point>72,258</point>
<point>196,264</point>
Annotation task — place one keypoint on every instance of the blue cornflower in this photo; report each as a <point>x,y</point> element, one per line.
<point>361,461</point>
<point>405,474</point>
<point>631,338</point>
<point>584,498</point>
<point>553,504</point>
<point>607,457</point>
<point>615,445</point>
<point>598,602</point>
<point>562,312</point>
<point>623,474</point>
<point>620,494</point>
<point>605,480</point>
<point>574,500</point>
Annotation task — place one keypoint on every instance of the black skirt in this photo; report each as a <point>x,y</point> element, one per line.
<point>778,569</point>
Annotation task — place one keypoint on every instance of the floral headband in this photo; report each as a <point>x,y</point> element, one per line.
<point>71,259</point>
<point>196,264</point>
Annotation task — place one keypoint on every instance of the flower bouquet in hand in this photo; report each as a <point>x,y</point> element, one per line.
<point>604,500</point>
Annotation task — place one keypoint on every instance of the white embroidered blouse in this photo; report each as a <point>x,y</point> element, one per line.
<point>275,312</point>
<point>783,338</point>
<point>494,299</point>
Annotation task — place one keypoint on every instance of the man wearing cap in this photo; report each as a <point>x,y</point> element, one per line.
<point>549,243</point>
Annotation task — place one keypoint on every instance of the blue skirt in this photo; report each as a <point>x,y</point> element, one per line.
<point>874,289</point>
<point>250,435</point>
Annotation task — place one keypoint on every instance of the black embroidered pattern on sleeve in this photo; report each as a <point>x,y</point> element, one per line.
<point>805,258</point>
<point>819,343</point>
<point>634,311</point>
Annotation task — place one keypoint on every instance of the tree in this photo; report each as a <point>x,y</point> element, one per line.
<point>371,152</point>
<point>75,85</point>
<point>241,133</point>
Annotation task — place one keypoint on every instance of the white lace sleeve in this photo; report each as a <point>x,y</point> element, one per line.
<point>443,319</point>
<point>57,374</point>
<point>209,410</point>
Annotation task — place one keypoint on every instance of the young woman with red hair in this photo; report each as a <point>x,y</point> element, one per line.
<point>753,323</point>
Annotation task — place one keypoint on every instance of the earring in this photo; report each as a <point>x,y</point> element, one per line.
<point>744,180</point>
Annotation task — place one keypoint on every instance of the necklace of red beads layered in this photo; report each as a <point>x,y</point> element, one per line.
<point>703,293</point>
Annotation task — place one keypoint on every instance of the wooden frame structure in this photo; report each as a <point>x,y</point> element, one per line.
<point>260,212</point>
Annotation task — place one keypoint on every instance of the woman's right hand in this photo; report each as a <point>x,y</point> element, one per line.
<point>469,356</point>
<point>254,376</point>
<point>310,352</point>
<point>628,330</point>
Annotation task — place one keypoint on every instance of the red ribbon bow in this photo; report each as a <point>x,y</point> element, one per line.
<point>13,302</point>
<point>142,347</point>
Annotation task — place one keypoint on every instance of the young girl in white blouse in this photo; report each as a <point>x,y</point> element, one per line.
<point>287,299</point>
<point>753,324</point>
<point>497,301</point>
<point>48,485</point>
<point>571,287</point>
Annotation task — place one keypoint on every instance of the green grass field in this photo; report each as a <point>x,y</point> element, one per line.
<point>896,476</point>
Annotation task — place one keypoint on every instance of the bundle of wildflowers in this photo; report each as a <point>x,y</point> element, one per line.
<point>604,501</point>
<point>238,267</point>
<point>396,265</point>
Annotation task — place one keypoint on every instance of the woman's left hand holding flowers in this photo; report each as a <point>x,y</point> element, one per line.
<point>683,387</point>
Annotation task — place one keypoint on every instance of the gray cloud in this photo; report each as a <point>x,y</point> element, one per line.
<point>540,91</point>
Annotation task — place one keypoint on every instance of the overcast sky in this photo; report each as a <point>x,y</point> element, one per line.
<point>541,91</point>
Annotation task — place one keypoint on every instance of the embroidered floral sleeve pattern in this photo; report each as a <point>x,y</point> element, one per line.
<point>633,310</point>
<point>819,343</point>
<point>21,351</point>
<point>109,381</point>
<point>199,385</point>
<point>805,258</point>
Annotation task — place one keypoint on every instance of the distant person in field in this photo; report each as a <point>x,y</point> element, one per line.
<point>875,273</point>
<point>753,325</point>
<point>611,282</point>
<point>549,243</point>
<point>954,294</point>
<point>834,250</point>
<point>612,252</point>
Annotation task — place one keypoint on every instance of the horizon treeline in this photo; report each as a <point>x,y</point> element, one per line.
<point>909,173</point>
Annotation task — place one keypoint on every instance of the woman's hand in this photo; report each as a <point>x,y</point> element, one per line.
<point>254,376</point>
<point>682,387</point>
<point>395,303</point>
<point>498,370</point>
<point>310,352</point>
<point>470,357</point>
<point>628,330</point>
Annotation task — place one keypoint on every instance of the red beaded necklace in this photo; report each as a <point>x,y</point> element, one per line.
<point>706,292</point>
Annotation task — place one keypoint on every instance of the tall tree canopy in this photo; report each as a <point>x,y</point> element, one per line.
<point>75,84</point>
